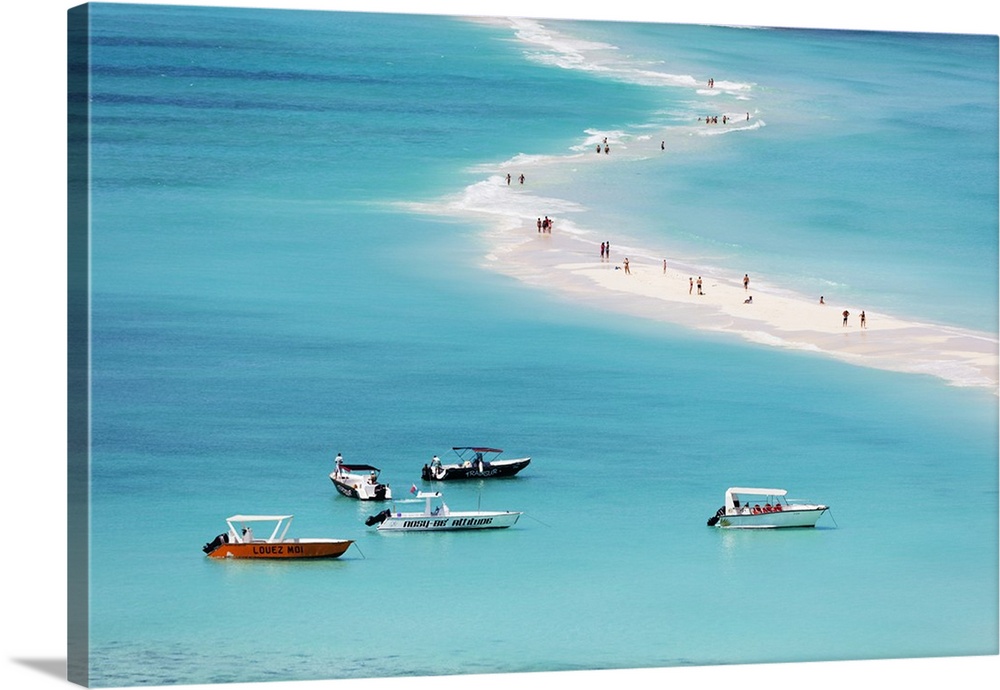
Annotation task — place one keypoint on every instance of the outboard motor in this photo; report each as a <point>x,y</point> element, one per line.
<point>380,492</point>
<point>425,473</point>
<point>712,521</point>
<point>378,518</point>
<point>216,543</point>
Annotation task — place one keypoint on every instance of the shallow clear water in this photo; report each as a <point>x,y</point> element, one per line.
<point>263,299</point>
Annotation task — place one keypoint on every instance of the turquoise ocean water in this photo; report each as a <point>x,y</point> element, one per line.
<point>263,298</point>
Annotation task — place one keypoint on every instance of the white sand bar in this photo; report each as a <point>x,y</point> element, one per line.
<point>568,262</point>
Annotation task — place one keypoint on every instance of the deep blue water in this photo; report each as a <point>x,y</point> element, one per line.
<point>262,300</point>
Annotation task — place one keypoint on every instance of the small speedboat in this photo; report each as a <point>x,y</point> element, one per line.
<point>474,462</point>
<point>763,509</point>
<point>359,481</point>
<point>240,542</point>
<point>437,516</point>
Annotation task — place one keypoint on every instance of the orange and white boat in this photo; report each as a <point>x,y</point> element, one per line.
<point>240,542</point>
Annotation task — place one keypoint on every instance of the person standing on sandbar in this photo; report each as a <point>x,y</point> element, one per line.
<point>846,314</point>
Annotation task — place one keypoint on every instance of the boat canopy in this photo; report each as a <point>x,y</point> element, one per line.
<point>258,518</point>
<point>281,525</point>
<point>756,492</point>
<point>476,449</point>
<point>352,467</point>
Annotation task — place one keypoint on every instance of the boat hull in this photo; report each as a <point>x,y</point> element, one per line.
<point>285,550</point>
<point>379,492</point>
<point>806,517</point>
<point>486,470</point>
<point>418,522</point>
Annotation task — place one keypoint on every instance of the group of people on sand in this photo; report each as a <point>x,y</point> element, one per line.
<point>607,149</point>
<point>606,254</point>
<point>519,179</point>
<point>545,225</point>
<point>714,119</point>
<point>847,314</point>
<point>692,283</point>
<point>864,322</point>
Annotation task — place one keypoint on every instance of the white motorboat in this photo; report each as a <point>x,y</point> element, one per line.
<point>754,508</point>
<point>359,481</point>
<point>437,516</point>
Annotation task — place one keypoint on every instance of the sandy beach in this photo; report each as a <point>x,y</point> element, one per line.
<point>569,263</point>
